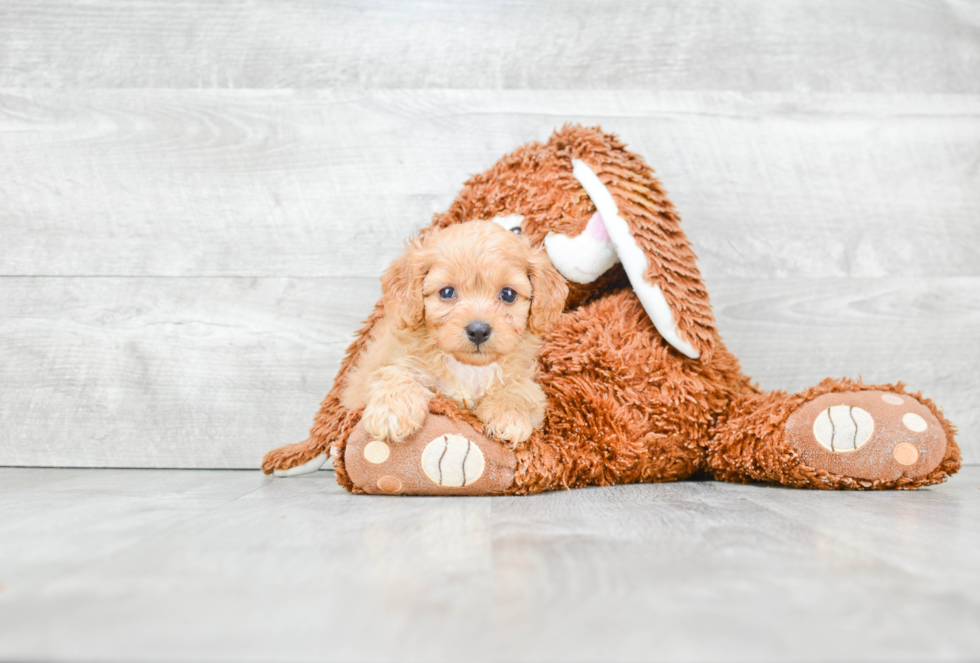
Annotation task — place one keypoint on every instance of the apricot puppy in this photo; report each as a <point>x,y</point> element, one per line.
<point>463,309</point>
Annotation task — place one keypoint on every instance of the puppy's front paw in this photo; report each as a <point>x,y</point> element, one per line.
<point>508,426</point>
<point>396,416</point>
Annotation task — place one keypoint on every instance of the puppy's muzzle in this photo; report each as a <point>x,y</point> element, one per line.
<point>478,332</point>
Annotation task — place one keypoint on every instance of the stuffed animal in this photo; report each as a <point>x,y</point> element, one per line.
<point>639,385</point>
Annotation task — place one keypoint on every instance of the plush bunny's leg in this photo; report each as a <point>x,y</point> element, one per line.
<point>837,435</point>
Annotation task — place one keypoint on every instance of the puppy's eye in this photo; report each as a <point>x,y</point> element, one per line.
<point>516,230</point>
<point>447,293</point>
<point>508,295</point>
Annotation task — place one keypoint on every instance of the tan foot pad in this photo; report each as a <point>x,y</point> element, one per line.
<point>872,435</point>
<point>444,458</point>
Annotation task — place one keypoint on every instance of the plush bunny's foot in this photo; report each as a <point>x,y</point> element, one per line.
<point>837,435</point>
<point>445,457</point>
<point>876,436</point>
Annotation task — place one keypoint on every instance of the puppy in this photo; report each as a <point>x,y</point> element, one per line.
<point>463,309</point>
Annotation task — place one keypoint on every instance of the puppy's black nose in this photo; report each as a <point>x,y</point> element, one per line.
<point>478,332</point>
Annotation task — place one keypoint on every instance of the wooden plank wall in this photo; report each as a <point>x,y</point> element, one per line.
<point>197,198</point>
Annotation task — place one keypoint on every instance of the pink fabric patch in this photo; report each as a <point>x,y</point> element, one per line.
<point>596,228</point>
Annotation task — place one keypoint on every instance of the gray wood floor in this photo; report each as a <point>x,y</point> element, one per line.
<point>155,565</point>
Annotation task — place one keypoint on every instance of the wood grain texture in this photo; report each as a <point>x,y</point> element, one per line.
<point>267,183</point>
<point>843,577</point>
<point>747,45</point>
<point>130,565</point>
<point>213,372</point>
<point>109,372</point>
<point>197,198</point>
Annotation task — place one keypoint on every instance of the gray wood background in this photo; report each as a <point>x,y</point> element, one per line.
<point>197,198</point>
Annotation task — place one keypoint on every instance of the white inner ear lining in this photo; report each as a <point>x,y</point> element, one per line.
<point>509,222</point>
<point>632,257</point>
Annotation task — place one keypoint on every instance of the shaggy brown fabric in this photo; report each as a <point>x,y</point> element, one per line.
<point>624,406</point>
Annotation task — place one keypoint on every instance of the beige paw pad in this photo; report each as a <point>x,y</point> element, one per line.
<point>914,422</point>
<point>843,428</point>
<point>389,484</point>
<point>905,454</point>
<point>892,399</point>
<point>376,452</point>
<point>452,460</point>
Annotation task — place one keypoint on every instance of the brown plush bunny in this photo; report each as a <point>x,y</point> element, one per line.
<point>640,386</point>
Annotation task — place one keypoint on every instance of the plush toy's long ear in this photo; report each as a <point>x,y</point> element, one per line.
<point>548,293</point>
<point>401,287</point>
<point>645,229</point>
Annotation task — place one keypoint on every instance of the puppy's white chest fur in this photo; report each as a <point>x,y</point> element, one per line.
<point>466,384</point>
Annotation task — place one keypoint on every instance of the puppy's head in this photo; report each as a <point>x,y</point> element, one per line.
<point>475,289</point>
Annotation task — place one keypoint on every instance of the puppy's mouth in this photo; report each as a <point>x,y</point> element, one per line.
<point>476,356</point>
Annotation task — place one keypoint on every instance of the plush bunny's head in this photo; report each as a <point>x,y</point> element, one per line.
<point>603,218</point>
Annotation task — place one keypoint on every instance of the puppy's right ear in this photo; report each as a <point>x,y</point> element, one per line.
<point>401,287</point>
<point>548,293</point>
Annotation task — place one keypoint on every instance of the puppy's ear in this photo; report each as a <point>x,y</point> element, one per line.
<point>401,287</point>
<point>548,293</point>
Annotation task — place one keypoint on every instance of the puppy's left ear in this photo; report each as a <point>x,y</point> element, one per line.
<point>548,293</point>
<point>401,287</point>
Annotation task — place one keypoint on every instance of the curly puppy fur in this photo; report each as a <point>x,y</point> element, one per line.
<point>463,308</point>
